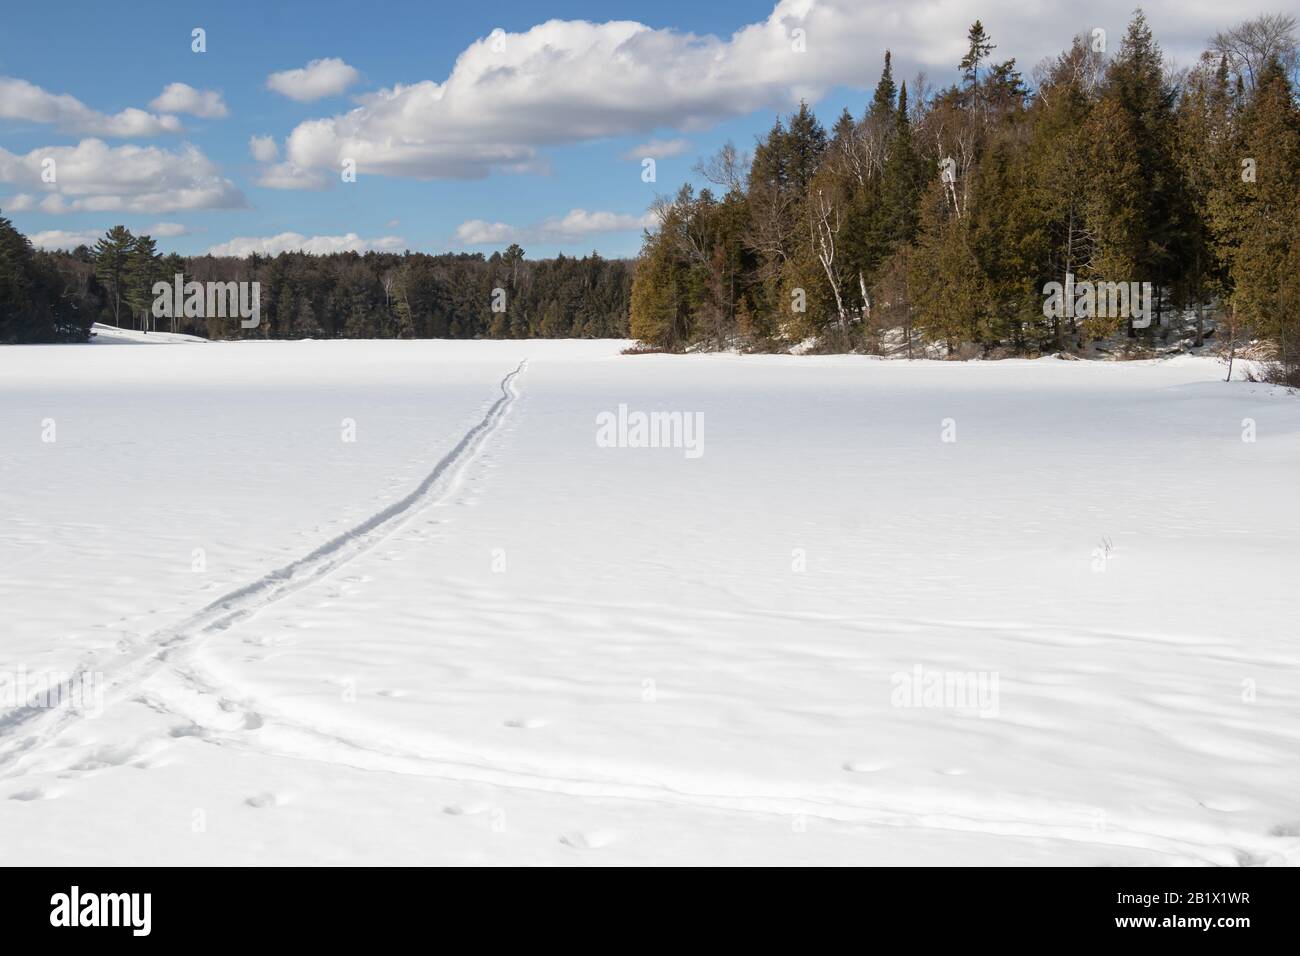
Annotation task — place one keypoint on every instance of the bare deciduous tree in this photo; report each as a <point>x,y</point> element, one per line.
<point>1250,45</point>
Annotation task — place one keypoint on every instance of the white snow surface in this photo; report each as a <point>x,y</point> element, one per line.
<point>471,635</point>
<point>101,334</point>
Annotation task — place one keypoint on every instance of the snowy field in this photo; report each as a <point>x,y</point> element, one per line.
<point>392,602</point>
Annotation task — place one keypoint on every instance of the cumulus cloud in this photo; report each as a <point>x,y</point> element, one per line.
<point>168,230</point>
<point>263,149</point>
<point>658,149</point>
<point>286,175</point>
<point>511,95</point>
<point>20,100</point>
<point>297,242</point>
<point>326,77</point>
<point>576,225</point>
<point>58,239</point>
<point>568,81</point>
<point>95,177</point>
<point>291,176</point>
<point>183,98</point>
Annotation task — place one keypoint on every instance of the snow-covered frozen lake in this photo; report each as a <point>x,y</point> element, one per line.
<point>392,602</point>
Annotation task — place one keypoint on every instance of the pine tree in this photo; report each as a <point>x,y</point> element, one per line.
<point>659,315</point>
<point>886,94</point>
<point>979,46</point>
<point>142,269</point>
<point>1138,104</point>
<point>1056,242</point>
<point>1257,216</point>
<point>111,254</point>
<point>1204,133</point>
<point>998,226</point>
<point>944,277</point>
<point>1118,207</point>
<point>804,145</point>
<point>903,178</point>
<point>16,323</point>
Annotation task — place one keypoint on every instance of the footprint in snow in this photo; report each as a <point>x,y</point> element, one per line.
<point>526,723</point>
<point>864,766</point>
<point>588,840</point>
<point>36,793</point>
<point>1246,858</point>
<point>267,799</point>
<point>465,809</point>
<point>102,758</point>
<point>188,730</point>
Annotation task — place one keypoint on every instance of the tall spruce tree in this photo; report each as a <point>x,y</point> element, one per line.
<point>111,254</point>
<point>142,270</point>
<point>1256,212</point>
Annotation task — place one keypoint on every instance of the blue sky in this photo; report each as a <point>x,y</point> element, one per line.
<point>506,147</point>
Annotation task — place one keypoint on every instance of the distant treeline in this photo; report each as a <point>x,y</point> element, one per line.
<point>56,296</point>
<point>945,214</point>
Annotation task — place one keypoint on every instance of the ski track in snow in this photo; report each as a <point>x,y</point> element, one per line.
<point>280,736</point>
<point>125,675</point>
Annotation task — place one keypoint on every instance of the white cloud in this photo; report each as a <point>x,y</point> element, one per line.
<point>58,239</point>
<point>479,232</point>
<point>95,177</point>
<point>576,225</point>
<point>168,230</point>
<point>263,149</point>
<point>182,98</point>
<point>658,149</point>
<point>297,242</point>
<point>20,100</point>
<point>291,176</point>
<point>568,81</point>
<point>325,77</point>
<point>274,175</point>
<point>507,98</point>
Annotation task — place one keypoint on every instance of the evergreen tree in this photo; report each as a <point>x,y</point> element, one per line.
<point>111,254</point>
<point>142,270</point>
<point>1204,134</point>
<point>979,46</point>
<point>1148,193</point>
<point>1256,211</point>
<point>886,93</point>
